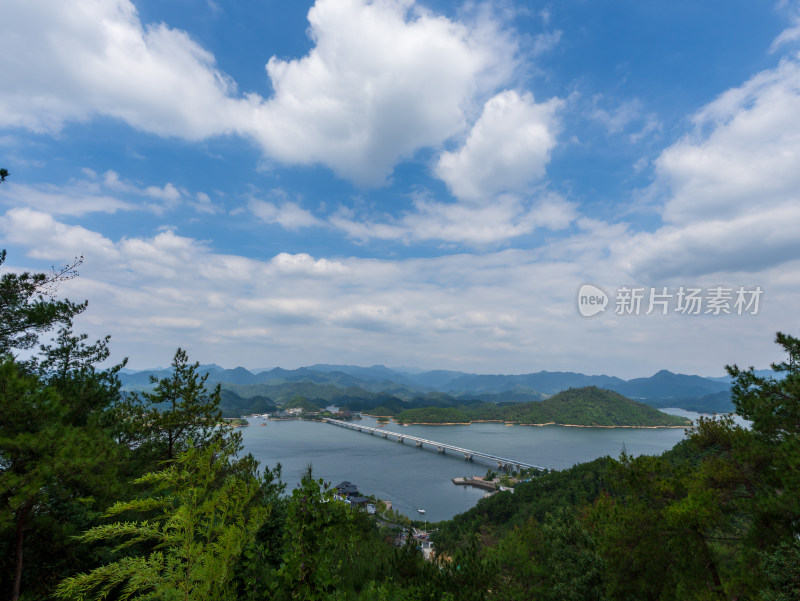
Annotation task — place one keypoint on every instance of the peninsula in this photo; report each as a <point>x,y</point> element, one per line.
<point>589,406</point>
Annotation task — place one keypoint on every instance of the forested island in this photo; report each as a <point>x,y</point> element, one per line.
<point>106,494</point>
<point>588,406</point>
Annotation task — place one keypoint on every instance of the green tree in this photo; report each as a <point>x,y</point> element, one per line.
<point>781,569</point>
<point>656,533</point>
<point>713,523</point>
<point>318,539</point>
<point>28,307</point>
<point>742,497</point>
<point>204,511</point>
<point>261,557</point>
<point>180,408</point>
<point>53,440</point>
<point>517,557</point>
<point>574,569</point>
<point>55,455</point>
<point>748,477</point>
<point>773,406</point>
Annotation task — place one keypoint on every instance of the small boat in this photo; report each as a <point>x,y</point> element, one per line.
<point>420,511</point>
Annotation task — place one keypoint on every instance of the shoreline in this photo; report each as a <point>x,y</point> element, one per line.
<point>642,427</point>
<point>507,423</point>
<point>434,423</point>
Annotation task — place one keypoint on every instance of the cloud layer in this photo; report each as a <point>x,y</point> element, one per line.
<point>383,80</point>
<point>514,307</point>
<point>730,190</point>
<point>459,211</point>
<point>77,60</point>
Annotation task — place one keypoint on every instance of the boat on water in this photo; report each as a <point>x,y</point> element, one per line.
<point>420,511</point>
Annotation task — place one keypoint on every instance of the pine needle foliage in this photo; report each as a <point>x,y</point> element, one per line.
<point>203,514</point>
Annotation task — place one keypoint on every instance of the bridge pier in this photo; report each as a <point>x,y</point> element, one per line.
<point>503,463</point>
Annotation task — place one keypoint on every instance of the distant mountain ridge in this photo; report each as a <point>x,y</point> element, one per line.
<point>328,382</point>
<point>546,382</point>
<point>585,406</point>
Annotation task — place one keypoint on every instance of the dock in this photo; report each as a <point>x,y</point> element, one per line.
<point>487,485</point>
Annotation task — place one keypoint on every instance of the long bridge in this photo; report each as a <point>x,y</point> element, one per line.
<point>441,447</point>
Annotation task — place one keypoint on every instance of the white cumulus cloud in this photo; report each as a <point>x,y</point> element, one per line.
<point>51,239</point>
<point>68,61</point>
<point>729,191</point>
<point>384,79</point>
<point>507,149</point>
<point>744,155</point>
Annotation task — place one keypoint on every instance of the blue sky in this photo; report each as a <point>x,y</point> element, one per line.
<point>409,183</point>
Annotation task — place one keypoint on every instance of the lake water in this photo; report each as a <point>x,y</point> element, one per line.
<point>413,478</point>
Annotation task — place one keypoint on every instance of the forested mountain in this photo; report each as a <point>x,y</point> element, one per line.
<point>337,382</point>
<point>543,381</point>
<point>667,385</point>
<point>587,406</point>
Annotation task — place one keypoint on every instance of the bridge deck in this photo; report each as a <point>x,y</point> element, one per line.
<point>502,462</point>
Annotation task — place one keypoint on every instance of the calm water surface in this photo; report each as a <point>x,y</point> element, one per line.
<point>413,478</point>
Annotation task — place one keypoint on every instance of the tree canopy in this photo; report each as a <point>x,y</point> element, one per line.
<point>27,306</point>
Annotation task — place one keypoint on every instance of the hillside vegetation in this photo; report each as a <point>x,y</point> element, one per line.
<point>587,406</point>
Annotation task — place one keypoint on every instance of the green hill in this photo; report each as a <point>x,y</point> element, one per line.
<point>587,406</point>
<point>591,406</point>
<point>433,415</point>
